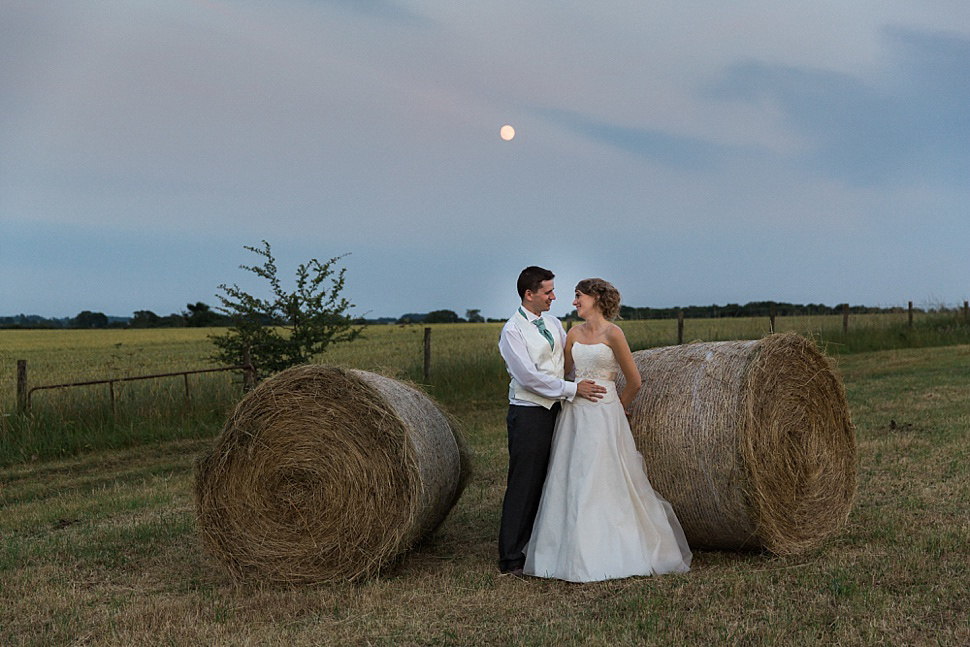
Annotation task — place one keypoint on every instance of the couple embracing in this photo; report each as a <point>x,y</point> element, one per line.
<point>578,505</point>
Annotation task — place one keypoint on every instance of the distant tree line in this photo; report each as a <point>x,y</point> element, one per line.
<point>441,316</point>
<point>752,309</point>
<point>199,315</point>
<point>196,315</point>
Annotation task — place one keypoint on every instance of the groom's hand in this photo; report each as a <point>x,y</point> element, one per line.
<point>590,390</point>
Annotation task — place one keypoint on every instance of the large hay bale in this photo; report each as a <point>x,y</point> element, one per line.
<point>750,441</point>
<point>324,474</point>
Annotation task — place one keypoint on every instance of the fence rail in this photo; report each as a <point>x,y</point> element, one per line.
<point>24,394</point>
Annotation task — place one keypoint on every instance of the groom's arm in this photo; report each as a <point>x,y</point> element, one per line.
<point>521,367</point>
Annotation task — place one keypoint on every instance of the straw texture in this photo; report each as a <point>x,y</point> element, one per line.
<point>750,441</point>
<point>324,474</point>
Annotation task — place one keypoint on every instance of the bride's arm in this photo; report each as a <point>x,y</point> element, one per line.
<point>621,350</point>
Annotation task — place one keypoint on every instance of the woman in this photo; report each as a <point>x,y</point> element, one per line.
<point>599,518</point>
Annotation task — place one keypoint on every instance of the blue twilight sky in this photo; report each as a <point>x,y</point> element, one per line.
<point>691,152</point>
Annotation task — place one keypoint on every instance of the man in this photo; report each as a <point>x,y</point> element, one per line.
<point>532,346</point>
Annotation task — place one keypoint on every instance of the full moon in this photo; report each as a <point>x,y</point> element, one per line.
<point>507,132</point>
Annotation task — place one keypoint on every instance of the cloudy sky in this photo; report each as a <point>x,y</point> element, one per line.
<point>690,152</point>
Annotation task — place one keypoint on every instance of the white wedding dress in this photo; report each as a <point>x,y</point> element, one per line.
<point>599,518</point>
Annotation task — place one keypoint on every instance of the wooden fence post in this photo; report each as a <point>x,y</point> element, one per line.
<point>21,385</point>
<point>427,355</point>
<point>845,318</point>
<point>771,319</point>
<point>910,314</point>
<point>680,327</point>
<point>249,377</point>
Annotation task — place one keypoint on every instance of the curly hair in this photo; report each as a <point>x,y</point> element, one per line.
<point>607,297</point>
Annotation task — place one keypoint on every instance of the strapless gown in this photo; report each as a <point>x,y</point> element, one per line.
<point>599,518</point>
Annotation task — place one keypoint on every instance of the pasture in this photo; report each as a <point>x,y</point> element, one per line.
<point>99,544</point>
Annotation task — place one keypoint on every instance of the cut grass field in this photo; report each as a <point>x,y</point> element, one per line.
<point>103,547</point>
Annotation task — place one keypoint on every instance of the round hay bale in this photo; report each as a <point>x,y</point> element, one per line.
<point>750,441</point>
<point>325,474</point>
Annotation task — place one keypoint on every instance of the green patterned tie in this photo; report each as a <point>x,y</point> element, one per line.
<point>541,325</point>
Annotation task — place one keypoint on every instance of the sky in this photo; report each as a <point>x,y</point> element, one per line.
<point>692,153</point>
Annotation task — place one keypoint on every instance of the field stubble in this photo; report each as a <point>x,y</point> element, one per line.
<point>102,547</point>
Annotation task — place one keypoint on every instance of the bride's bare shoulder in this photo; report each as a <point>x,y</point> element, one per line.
<point>614,332</point>
<point>576,332</point>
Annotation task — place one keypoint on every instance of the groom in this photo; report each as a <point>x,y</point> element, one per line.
<point>532,346</point>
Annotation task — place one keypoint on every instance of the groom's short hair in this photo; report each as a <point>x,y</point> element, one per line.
<point>531,278</point>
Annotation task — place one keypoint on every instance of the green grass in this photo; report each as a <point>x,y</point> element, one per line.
<point>101,547</point>
<point>142,416</point>
<point>930,331</point>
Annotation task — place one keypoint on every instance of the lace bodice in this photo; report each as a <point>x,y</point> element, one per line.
<point>595,362</point>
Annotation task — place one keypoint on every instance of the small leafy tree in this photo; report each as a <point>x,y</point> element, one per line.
<point>200,315</point>
<point>442,316</point>
<point>289,328</point>
<point>88,319</point>
<point>144,319</point>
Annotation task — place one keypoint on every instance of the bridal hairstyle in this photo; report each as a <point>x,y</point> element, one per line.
<point>531,278</point>
<point>607,297</point>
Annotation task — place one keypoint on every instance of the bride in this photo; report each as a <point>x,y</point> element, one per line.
<point>599,518</point>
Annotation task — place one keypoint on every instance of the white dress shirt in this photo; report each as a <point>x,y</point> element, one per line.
<point>523,370</point>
